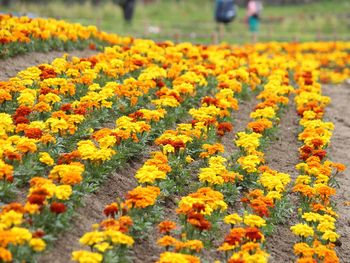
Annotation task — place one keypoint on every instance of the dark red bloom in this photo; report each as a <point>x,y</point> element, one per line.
<point>111,210</point>
<point>37,199</point>
<point>253,233</point>
<point>33,133</point>
<point>57,208</point>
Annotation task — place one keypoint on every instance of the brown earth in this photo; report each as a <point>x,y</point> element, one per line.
<point>282,156</point>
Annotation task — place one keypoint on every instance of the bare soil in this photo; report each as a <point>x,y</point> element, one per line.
<point>282,156</point>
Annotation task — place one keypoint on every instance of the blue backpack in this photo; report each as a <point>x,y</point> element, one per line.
<point>225,11</point>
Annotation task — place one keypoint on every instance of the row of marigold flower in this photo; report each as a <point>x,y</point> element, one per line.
<point>33,86</point>
<point>316,182</point>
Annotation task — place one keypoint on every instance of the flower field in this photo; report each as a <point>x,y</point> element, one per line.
<point>164,152</point>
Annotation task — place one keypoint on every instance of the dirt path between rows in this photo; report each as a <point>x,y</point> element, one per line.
<point>11,66</point>
<point>338,112</point>
<point>282,156</point>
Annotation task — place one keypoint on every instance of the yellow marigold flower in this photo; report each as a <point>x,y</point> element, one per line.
<point>248,141</point>
<point>86,257</point>
<point>274,195</point>
<point>118,237</point>
<point>311,217</point>
<point>168,149</point>
<point>107,141</point>
<point>276,181</point>
<point>254,220</point>
<point>11,218</point>
<point>21,235</point>
<point>325,226</point>
<point>92,238</point>
<point>63,192</point>
<point>37,244</point>
<point>27,97</point>
<point>226,247</point>
<point>303,179</point>
<point>189,159</point>
<point>267,112</point>
<point>330,236</point>
<point>172,257</point>
<point>45,158</point>
<point>249,162</point>
<point>6,124</point>
<point>233,219</point>
<point>302,230</point>
<point>102,247</point>
<point>149,173</point>
<point>210,175</point>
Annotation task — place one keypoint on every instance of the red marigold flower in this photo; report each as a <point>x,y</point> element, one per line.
<point>80,110</point>
<point>37,199</point>
<point>224,127</point>
<point>13,155</point>
<point>253,233</point>
<point>111,210</point>
<point>57,208</point>
<point>21,119</point>
<point>66,107</point>
<point>33,133</point>
<point>39,233</point>
<point>23,111</point>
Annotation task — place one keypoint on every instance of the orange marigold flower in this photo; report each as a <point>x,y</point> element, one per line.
<point>166,226</point>
<point>141,197</point>
<point>235,236</point>
<point>5,255</point>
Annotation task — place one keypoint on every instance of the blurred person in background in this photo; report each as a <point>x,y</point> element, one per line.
<point>128,7</point>
<point>225,12</point>
<point>254,9</point>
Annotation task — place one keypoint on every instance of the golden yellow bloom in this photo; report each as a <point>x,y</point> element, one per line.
<point>233,219</point>
<point>254,220</point>
<point>45,158</point>
<point>37,244</point>
<point>63,192</point>
<point>86,257</point>
<point>11,218</point>
<point>302,230</point>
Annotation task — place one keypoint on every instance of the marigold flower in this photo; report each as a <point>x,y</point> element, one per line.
<point>5,255</point>
<point>85,256</point>
<point>302,230</point>
<point>57,208</point>
<point>37,244</point>
<point>253,220</point>
<point>166,226</point>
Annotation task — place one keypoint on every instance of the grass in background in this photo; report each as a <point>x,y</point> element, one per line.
<point>192,20</point>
